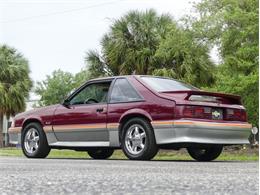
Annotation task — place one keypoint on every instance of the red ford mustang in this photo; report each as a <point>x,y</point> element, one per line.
<point>139,114</point>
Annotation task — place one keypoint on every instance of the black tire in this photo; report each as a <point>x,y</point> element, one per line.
<point>150,147</point>
<point>101,153</point>
<point>43,148</point>
<point>205,154</point>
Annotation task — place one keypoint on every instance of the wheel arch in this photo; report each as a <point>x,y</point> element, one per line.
<point>132,114</point>
<point>31,120</point>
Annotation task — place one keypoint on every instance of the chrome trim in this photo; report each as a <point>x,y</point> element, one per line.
<point>80,144</point>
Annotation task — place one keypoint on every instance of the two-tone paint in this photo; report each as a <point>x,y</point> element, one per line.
<point>99,125</point>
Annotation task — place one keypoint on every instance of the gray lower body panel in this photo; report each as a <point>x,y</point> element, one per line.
<point>202,132</point>
<point>15,138</point>
<point>82,136</point>
<point>166,132</point>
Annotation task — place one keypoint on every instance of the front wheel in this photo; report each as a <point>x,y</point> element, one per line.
<point>34,141</point>
<point>205,154</point>
<point>102,153</point>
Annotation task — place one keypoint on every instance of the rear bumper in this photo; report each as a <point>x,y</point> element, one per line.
<point>189,131</point>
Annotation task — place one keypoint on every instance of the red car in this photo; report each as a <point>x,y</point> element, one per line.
<point>139,114</point>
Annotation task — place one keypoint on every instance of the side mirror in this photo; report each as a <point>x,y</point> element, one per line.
<point>66,103</point>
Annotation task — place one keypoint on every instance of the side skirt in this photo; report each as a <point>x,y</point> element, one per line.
<point>80,144</point>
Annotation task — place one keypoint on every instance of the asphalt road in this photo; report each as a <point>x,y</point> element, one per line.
<point>86,176</point>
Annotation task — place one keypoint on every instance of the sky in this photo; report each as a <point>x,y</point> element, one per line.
<point>56,34</point>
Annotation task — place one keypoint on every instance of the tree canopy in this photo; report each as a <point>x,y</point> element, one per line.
<point>148,43</point>
<point>55,87</point>
<point>15,82</point>
<point>234,27</point>
<point>182,57</point>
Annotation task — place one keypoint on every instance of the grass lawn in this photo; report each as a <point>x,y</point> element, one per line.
<point>246,154</point>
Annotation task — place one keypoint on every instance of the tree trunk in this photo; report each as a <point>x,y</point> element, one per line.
<point>1,130</point>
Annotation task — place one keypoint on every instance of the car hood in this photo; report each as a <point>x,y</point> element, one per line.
<point>40,110</point>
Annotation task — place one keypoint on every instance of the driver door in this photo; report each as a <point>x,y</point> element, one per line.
<point>84,118</point>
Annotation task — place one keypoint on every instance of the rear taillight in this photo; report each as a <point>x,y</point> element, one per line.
<point>204,112</point>
<point>193,112</point>
<point>236,115</point>
<point>187,111</point>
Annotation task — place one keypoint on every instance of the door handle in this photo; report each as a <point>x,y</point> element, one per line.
<point>100,109</point>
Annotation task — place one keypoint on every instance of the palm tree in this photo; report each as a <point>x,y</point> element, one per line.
<point>148,43</point>
<point>15,83</point>
<point>130,44</point>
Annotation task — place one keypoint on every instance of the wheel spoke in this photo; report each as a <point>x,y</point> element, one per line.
<point>33,134</point>
<point>29,135</point>
<point>142,146</point>
<point>135,149</point>
<point>130,137</point>
<point>36,145</point>
<point>36,138</point>
<point>136,131</point>
<point>30,148</point>
<point>142,135</point>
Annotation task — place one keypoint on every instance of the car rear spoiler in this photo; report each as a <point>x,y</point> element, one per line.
<point>219,97</point>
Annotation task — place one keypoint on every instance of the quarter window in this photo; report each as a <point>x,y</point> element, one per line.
<point>124,92</point>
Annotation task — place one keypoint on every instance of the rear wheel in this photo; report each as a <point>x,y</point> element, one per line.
<point>205,154</point>
<point>34,142</point>
<point>138,141</point>
<point>102,153</point>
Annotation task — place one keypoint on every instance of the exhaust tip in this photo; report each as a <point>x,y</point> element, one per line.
<point>254,130</point>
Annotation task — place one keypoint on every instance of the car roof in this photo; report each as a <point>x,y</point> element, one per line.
<point>112,77</point>
<point>126,76</point>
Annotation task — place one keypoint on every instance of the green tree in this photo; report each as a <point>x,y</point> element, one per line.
<point>233,26</point>
<point>131,44</point>
<point>55,87</point>
<point>182,57</point>
<point>148,43</point>
<point>96,66</point>
<point>15,83</point>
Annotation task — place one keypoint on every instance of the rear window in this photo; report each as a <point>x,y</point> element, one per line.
<point>164,84</point>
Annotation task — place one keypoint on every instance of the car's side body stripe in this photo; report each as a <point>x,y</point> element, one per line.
<point>59,128</point>
<point>14,129</point>
<point>201,123</point>
<point>47,128</point>
<point>77,127</point>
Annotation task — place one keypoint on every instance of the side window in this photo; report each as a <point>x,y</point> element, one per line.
<point>123,92</point>
<point>91,94</point>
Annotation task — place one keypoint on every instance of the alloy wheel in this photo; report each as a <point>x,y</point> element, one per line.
<point>31,141</point>
<point>135,139</point>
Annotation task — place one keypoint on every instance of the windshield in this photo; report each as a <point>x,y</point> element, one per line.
<point>164,84</point>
